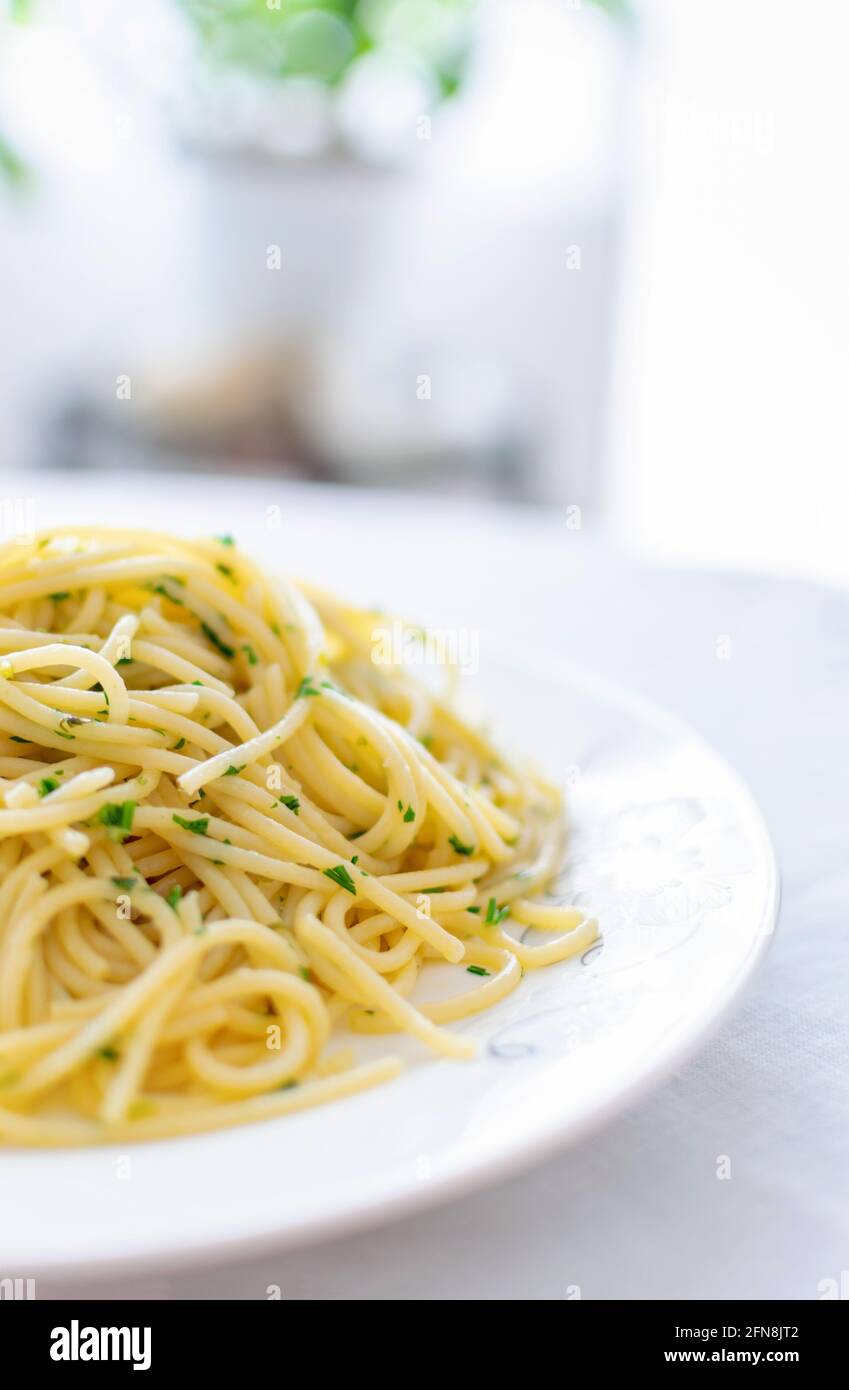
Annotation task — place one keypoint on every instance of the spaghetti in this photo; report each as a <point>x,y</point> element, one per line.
<point>226,830</point>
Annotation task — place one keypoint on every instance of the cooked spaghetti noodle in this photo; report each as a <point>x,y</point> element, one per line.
<point>226,828</point>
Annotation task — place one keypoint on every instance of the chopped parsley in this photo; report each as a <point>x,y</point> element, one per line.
<point>340,875</point>
<point>72,721</point>
<point>125,883</point>
<point>118,818</point>
<point>225,540</point>
<point>124,661</point>
<point>181,743</point>
<point>250,653</point>
<point>234,771</point>
<point>476,970</point>
<point>109,1054</point>
<point>17,739</point>
<point>473,909</point>
<point>60,595</point>
<point>304,972</point>
<point>305,688</point>
<point>225,570</point>
<point>197,827</point>
<point>47,785</point>
<point>212,636</point>
<point>173,896</point>
<point>172,598</point>
<point>495,914</point>
<point>460,848</point>
<point>292,802</point>
<point>409,814</point>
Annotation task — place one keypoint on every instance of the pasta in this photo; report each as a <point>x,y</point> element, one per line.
<point>226,831</point>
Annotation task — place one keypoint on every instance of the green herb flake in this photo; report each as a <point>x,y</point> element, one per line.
<point>118,819</point>
<point>197,827</point>
<point>234,771</point>
<point>172,598</point>
<point>304,972</point>
<point>250,653</point>
<point>17,739</point>
<point>476,970</point>
<point>212,636</point>
<point>306,688</point>
<point>47,785</point>
<point>340,875</point>
<point>292,802</point>
<point>60,595</point>
<point>409,815</point>
<point>109,1054</point>
<point>173,896</point>
<point>458,847</point>
<point>495,914</point>
<point>225,540</point>
<point>181,743</point>
<point>127,884</point>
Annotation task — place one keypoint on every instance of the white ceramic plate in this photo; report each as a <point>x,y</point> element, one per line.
<point>670,853</point>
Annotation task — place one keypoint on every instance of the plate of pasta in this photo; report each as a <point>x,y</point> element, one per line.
<point>297,932</point>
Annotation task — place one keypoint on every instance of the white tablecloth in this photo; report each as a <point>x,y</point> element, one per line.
<point>638,1211</point>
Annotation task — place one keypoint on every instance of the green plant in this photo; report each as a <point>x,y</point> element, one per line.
<point>324,39</point>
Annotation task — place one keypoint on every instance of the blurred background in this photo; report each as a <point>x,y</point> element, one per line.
<point>581,256</point>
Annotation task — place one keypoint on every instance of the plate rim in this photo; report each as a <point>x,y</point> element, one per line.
<point>527,1150</point>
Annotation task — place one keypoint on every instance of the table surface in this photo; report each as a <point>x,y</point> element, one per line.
<point>730,1181</point>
